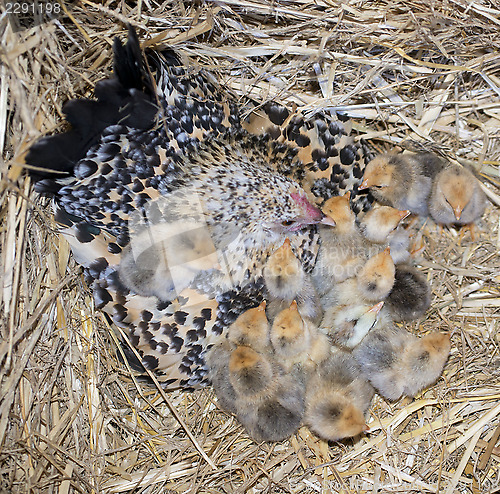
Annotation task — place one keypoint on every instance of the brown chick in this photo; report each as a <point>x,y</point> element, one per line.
<point>402,181</point>
<point>283,273</point>
<point>376,278</point>
<point>456,197</point>
<point>289,333</point>
<point>337,398</point>
<point>252,375</point>
<point>270,405</point>
<point>251,328</point>
<point>286,281</point>
<point>381,226</point>
<point>296,340</point>
<point>398,363</point>
<point>378,224</point>
<point>410,295</point>
<point>342,251</point>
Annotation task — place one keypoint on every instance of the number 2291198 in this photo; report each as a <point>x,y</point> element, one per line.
<point>40,8</point>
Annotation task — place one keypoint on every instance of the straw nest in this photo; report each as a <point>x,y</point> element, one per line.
<point>414,74</point>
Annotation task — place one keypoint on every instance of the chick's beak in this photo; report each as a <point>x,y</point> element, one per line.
<point>457,211</point>
<point>327,220</point>
<point>376,308</point>
<point>404,214</point>
<point>365,184</point>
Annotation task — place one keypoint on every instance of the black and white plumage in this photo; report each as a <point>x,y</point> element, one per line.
<point>152,152</point>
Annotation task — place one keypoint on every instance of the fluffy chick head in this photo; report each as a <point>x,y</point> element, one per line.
<point>456,197</point>
<point>338,213</point>
<point>334,416</point>
<point>251,328</point>
<point>379,173</point>
<point>376,278</point>
<point>250,373</point>
<point>380,222</point>
<point>289,335</point>
<point>283,273</point>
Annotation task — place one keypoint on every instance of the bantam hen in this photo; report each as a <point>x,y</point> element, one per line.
<point>159,148</point>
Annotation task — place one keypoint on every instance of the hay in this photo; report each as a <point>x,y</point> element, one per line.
<point>414,74</point>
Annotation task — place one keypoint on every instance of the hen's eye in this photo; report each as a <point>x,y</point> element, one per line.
<point>287,223</point>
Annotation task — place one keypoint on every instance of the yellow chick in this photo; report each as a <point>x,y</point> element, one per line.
<point>251,328</point>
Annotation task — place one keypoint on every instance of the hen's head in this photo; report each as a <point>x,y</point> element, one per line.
<point>252,199</point>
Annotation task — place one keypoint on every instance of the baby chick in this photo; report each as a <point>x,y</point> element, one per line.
<point>347,325</point>
<point>337,398</point>
<point>270,405</point>
<point>398,363</point>
<point>290,335</point>
<point>410,296</point>
<point>342,251</point>
<point>251,328</point>
<point>376,278</point>
<point>296,340</point>
<point>333,416</point>
<point>251,374</point>
<point>279,416</point>
<point>217,360</point>
<point>286,281</point>
<point>456,197</point>
<point>349,314</point>
<point>402,181</point>
<point>380,225</point>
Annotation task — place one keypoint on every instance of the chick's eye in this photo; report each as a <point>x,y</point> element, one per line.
<point>287,223</point>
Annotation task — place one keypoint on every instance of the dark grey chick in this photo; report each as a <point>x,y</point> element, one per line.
<point>410,296</point>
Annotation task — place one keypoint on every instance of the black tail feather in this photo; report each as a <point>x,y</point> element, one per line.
<point>128,63</point>
<point>126,99</point>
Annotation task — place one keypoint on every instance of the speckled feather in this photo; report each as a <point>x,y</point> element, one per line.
<point>130,163</point>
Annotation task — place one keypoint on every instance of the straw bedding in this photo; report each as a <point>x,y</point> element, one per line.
<point>414,74</point>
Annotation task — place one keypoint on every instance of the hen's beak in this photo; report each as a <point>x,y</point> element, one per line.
<point>313,214</point>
